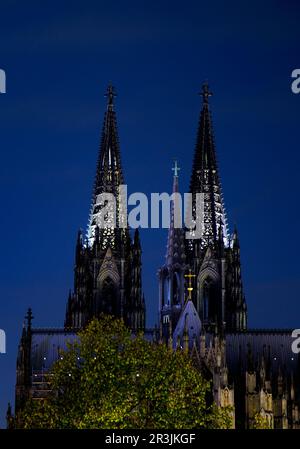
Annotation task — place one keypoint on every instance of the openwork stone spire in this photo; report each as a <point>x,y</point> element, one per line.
<point>108,266</point>
<point>205,177</point>
<point>109,177</point>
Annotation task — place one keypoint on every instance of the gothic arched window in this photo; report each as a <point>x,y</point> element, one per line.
<point>176,289</point>
<point>166,291</point>
<point>205,299</point>
<point>210,299</point>
<point>109,297</point>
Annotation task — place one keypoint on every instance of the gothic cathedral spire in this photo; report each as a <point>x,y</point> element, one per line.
<point>108,264</point>
<point>109,177</point>
<point>218,294</point>
<point>205,177</point>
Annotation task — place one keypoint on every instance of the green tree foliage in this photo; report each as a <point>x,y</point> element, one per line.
<point>261,422</point>
<point>108,379</point>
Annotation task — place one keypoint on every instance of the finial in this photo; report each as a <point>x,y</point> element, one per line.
<point>185,336</point>
<point>205,92</point>
<point>235,238</point>
<point>221,229</point>
<point>110,94</point>
<point>8,409</point>
<point>220,224</point>
<point>190,288</point>
<point>136,238</point>
<point>29,317</point>
<point>154,335</point>
<point>170,336</point>
<point>160,332</point>
<point>175,169</point>
<point>9,417</point>
<point>79,236</point>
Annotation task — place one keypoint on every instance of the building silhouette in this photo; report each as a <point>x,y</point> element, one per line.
<point>202,307</point>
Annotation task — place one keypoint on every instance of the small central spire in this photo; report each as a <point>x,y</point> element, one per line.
<point>110,95</point>
<point>206,93</point>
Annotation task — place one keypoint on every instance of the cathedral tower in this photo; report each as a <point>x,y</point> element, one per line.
<point>107,275</point>
<point>213,260</point>
<point>215,257</point>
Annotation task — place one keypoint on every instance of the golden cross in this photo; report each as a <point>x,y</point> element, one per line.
<point>190,288</point>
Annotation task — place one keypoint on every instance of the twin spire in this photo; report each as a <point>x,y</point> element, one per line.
<point>204,179</point>
<point>109,174</point>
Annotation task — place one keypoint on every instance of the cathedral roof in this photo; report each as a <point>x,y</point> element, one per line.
<point>274,345</point>
<point>46,346</point>
<point>190,323</point>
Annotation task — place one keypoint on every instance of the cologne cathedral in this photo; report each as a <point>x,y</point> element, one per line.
<point>202,306</point>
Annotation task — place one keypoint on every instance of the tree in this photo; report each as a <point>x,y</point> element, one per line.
<point>110,379</point>
<point>261,422</point>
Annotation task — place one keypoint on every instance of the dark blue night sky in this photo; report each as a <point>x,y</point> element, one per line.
<point>58,61</point>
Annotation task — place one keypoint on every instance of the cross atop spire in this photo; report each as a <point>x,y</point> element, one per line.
<point>205,93</point>
<point>110,95</point>
<point>175,169</point>
<point>29,317</point>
